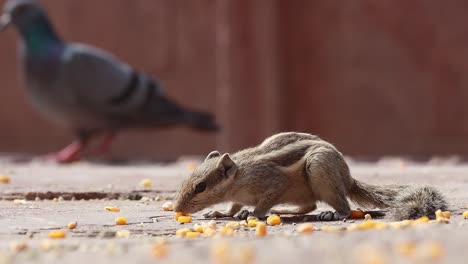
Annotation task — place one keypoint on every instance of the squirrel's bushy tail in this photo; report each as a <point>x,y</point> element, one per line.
<point>404,202</point>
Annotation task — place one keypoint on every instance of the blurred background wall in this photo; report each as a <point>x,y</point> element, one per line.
<point>373,77</point>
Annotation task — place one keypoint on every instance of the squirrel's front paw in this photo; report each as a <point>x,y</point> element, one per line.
<point>214,214</point>
<point>244,214</point>
<point>330,216</point>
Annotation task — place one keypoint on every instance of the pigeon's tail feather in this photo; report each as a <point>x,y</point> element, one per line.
<point>201,120</point>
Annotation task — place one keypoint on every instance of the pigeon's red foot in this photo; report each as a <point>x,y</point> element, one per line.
<point>105,145</point>
<point>69,154</point>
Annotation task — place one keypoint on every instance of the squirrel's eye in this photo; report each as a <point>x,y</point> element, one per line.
<point>200,187</point>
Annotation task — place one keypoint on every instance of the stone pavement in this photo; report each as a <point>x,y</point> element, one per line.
<point>28,212</point>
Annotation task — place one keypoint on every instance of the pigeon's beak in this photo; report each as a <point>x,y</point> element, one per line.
<point>5,20</point>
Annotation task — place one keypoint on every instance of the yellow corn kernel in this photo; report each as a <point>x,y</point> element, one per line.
<point>122,233</point>
<point>305,228</point>
<point>430,250</point>
<point>4,179</point>
<point>439,214</point>
<point>356,214</point>
<point>112,209</point>
<point>447,214</point>
<point>192,234</point>
<point>220,252</point>
<point>251,217</point>
<point>198,228</point>
<point>72,225</point>
<point>208,232</point>
<point>182,232</point>
<point>227,231</point>
<point>421,220</point>
<point>261,229</point>
<point>233,225</point>
<point>246,255</point>
<point>405,248</point>
<point>178,214</point>
<point>367,217</point>
<point>57,234</point>
<point>160,249</point>
<point>146,183</point>
<point>121,221</point>
<point>369,224</point>
<point>168,206</point>
<point>465,214</point>
<point>327,228</point>
<point>184,219</point>
<point>442,220</point>
<point>273,220</point>
<point>380,225</point>
<point>252,223</point>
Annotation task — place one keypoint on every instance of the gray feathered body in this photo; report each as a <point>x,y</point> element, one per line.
<point>84,88</point>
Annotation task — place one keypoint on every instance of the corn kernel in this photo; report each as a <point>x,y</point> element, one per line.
<point>246,255</point>
<point>4,179</point>
<point>220,252</point>
<point>112,209</point>
<point>72,225</point>
<point>369,224</point>
<point>146,183</point>
<point>252,223</point>
<point>405,248</point>
<point>356,214</point>
<point>198,228</point>
<point>261,229</point>
<point>210,224</point>
<point>421,220</point>
<point>305,228</point>
<point>192,234</point>
<point>439,214</point>
<point>367,217</point>
<point>465,214</point>
<point>227,231</point>
<point>160,249</point>
<point>243,223</point>
<point>184,219</point>
<point>178,214</point>
<point>208,232</point>
<point>168,206</point>
<point>233,225</point>
<point>442,220</point>
<point>121,221</point>
<point>430,250</point>
<point>327,228</point>
<point>182,232</point>
<point>57,234</point>
<point>273,220</point>
<point>122,233</point>
<point>251,217</point>
<point>19,201</point>
<point>447,214</point>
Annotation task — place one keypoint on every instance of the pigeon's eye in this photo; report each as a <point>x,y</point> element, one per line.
<point>200,187</point>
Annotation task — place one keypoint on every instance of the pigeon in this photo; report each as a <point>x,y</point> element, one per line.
<point>88,90</point>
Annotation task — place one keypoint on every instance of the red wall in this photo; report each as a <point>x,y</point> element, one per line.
<point>374,77</point>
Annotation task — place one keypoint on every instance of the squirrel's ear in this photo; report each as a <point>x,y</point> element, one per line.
<point>227,165</point>
<point>212,155</point>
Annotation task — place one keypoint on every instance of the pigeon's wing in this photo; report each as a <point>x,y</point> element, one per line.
<point>121,96</point>
<point>111,89</point>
